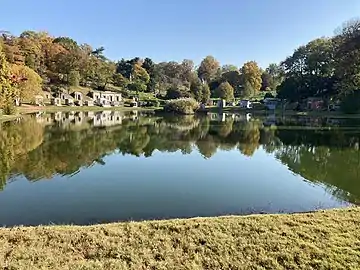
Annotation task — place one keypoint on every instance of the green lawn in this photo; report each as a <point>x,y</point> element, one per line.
<point>320,240</point>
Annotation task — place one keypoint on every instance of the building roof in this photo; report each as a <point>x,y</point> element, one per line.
<point>105,92</point>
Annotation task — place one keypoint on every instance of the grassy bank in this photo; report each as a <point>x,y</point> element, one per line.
<point>79,109</point>
<point>321,240</point>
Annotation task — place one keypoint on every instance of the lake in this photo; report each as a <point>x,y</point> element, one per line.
<point>86,167</point>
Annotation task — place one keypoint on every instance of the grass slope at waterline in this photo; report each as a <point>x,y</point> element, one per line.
<point>320,240</point>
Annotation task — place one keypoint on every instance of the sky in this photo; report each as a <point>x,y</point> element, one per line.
<point>233,31</point>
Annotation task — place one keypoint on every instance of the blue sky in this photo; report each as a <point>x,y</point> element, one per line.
<point>234,31</point>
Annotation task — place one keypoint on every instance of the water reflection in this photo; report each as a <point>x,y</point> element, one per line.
<point>321,150</point>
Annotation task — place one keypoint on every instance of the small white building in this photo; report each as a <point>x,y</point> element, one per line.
<point>103,102</point>
<point>245,104</point>
<point>106,98</point>
<point>77,96</point>
<point>56,101</point>
<point>88,103</point>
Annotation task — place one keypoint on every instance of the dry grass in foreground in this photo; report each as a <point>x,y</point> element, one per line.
<point>321,240</point>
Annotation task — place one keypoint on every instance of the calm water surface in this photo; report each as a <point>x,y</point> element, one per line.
<point>86,168</point>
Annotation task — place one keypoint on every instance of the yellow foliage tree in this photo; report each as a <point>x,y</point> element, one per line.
<point>140,74</point>
<point>251,76</point>
<point>6,89</point>
<point>208,68</point>
<point>29,82</point>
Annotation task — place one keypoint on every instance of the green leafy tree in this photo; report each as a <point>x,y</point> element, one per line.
<point>196,89</point>
<point>225,91</point>
<point>120,81</point>
<point>247,90</point>
<point>137,86</point>
<point>276,73</point>
<point>175,92</point>
<point>205,93</point>
<point>149,66</point>
<point>309,71</point>
<point>347,61</point>
<point>74,78</point>
<point>235,80</point>
<point>104,74</point>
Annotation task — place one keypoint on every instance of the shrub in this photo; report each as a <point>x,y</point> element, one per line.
<point>225,91</point>
<point>9,109</point>
<point>182,106</point>
<point>176,93</point>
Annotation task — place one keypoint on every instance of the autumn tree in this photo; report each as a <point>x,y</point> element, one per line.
<point>140,74</point>
<point>175,75</point>
<point>225,91</point>
<point>251,75</point>
<point>208,69</point>
<point>6,89</point>
<point>12,49</point>
<point>28,85</point>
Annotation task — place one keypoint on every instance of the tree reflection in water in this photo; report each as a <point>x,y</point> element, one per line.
<point>320,150</point>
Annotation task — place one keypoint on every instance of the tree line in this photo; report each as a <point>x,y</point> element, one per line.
<point>326,67</point>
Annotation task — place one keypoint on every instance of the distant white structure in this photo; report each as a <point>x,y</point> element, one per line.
<point>107,118</point>
<point>106,98</point>
<point>245,104</point>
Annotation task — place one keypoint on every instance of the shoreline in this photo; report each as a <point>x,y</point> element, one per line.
<point>315,240</point>
<point>50,109</point>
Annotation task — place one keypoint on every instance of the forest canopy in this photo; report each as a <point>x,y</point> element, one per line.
<point>327,67</point>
